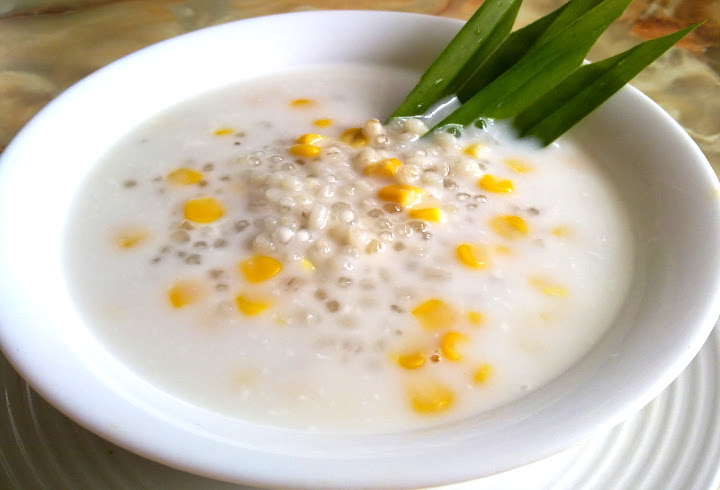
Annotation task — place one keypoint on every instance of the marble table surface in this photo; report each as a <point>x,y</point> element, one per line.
<point>47,45</point>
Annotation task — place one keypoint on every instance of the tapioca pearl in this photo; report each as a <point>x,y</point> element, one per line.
<point>408,174</point>
<point>357,237</point>
<point>347,190</point>
<point>241,225</point>
<point>446,141</point>
<point>318,218</point>
<point>303,235</point>
<point>480,198</point>
<point>404,230</point>
<point>375,246</point>
<point>384,224</point>
<point>386,236</point>
<point>373,128</point>
<point>326,191</point>
<point>263,243</point>
<point>365,158</point>
<point>283,234</point>
<point>391,207</point>
<point>322,250</point>
<point>216,273</point>
<point>258,178</point>
<point>416,126</point>
<point>465,168</point>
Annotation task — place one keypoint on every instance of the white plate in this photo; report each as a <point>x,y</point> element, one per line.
<point>673,443</point>
<point>665,322</point>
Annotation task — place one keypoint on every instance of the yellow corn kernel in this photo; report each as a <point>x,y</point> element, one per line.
<point>412,360</point>
<point>130,238</point>
<point>249,306</point>
<point>223,131</point>
<point>509,226</point>
<point>517,165</point>
<point>428,214</point>
<point>309,139</point>
<point>307,265</point>
<point>447,345</point>
<point>561,231</point>
<point>502,249</point>
<point>184,176</point>
<point>546,287</point>
<point>402,194</point>
<point>302,102</point>
<point>434,314</point>
<point>482,373</point>
<point>304,150</point>
<point>430,397</point>
<point>203,210</point>
<point>476,150</point>
<point>183,293</point>
<point>354,137</point>
<point>475,317</point>
<point>472,256</point>
<point>492,184</point>
<point>322,123</point>
<point>383,168</point>
<point>259,268</point>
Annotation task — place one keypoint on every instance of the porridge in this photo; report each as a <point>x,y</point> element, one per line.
<point>273,252</point>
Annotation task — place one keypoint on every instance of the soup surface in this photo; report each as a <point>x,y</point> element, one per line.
<point>272,252</point>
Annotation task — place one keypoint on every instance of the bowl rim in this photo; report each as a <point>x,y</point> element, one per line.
<point>276,463</point>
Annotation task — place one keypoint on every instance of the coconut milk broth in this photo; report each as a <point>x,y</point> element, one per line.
<point>326,351</point>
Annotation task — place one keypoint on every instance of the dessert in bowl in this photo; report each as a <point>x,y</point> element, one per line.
<point>229,267</point>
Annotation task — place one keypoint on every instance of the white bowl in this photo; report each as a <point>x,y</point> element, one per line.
<point>673,304</point>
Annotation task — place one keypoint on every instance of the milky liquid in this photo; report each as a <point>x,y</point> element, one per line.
<point>325,353</point>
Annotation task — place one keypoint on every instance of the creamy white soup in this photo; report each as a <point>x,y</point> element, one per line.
<point>273,252</point>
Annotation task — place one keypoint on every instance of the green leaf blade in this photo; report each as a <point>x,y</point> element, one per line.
<point>573,11</point>
<point>478,38</point>
<point>586,89</point>
<point>519,43</point>
<point>539,70</point>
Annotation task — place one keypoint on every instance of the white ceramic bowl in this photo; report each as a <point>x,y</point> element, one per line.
<point>669,185</point>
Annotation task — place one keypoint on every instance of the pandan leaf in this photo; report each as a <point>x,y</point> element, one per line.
<point>539,70</point>
<point>588,87</point>
<point>477,39</point>
<point>518,44</point>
